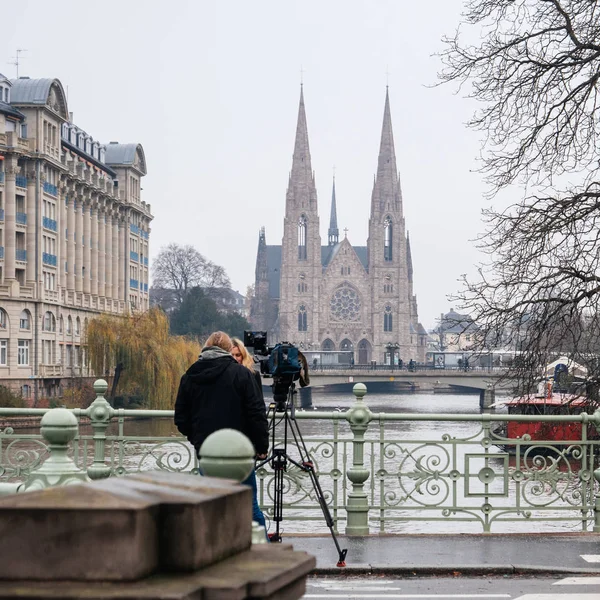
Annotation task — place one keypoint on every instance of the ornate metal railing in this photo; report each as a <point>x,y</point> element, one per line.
<point>378,472</point>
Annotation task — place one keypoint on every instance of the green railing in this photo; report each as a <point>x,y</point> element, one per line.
<point>378,473</point>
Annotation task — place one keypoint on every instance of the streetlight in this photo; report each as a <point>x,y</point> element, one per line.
<point>392,349</point>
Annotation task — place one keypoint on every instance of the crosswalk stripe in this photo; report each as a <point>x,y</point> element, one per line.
<point>578,581</point>
<point>591,558</point>
<point>559,597</point>
<point>360,596</point>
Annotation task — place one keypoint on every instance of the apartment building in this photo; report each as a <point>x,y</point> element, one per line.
<point>74,235</point>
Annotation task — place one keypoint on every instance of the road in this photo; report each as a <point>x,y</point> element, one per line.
<point>454,588</point>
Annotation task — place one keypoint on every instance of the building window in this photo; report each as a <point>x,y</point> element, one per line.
<point>3,319</point>
<point>3,353</point>
<point>26,391</point>
<point>48,352</point>
<point>49,323</point>
<point>23,353</point>
<point>25,320</point>
<point>302,238</point>
<point>77,326</point>
<point>388,238</point>
<point>302,286</point>
<point>69,325</point>
<point>302,318</point>
<point>387,319</point>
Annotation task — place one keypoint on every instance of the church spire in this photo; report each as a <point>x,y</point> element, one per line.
<point>333,234</point>
<point>301,164</point>
<point>386,189</point>
<point>409,265</point>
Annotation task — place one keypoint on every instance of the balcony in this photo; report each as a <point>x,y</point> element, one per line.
<point>49,259</point>
<point>49,224</point>
<point>50,370</point>
<point>21,218</point>
<point>50,189</point>
<point>134,284</point>
<point>51,296</point>
<point>21,181</point>
<point>21,255</point>
<point>134,256</point>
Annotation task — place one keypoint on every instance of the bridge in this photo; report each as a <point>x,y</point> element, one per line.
<point>478,378</point>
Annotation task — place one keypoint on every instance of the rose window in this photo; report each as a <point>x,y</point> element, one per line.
<point>345,305</point>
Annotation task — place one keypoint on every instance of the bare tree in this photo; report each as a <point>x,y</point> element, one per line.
<point>178,269</point>
<point>535,68</point>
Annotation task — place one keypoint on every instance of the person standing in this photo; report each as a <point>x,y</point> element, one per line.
<point>243,357</point>
<point>217,392</point>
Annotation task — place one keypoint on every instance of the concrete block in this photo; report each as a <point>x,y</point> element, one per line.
<point>273,574</point>
<point>78,533</point>
<point>202,519</point>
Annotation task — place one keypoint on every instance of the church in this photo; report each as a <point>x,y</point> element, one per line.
<point>338,297</point>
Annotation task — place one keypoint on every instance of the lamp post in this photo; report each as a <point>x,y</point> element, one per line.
<point>392,350</point>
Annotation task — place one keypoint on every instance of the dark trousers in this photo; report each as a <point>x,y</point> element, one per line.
<point>257,514</point>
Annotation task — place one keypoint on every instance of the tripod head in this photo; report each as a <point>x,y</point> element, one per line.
<point>283,390</point>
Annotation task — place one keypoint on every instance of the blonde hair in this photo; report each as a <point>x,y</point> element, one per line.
<point>247,360</point>
<point>219,339</point>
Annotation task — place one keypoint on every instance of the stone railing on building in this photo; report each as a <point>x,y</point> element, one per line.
<point>377,474</point>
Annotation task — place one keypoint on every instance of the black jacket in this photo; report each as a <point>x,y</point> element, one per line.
<point>217,393</point>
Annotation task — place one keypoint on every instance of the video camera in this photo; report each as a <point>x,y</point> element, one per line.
<point>284,362</point>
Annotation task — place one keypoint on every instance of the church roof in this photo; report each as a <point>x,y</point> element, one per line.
<point>327,254</point>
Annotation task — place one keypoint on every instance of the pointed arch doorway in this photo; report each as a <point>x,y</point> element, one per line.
<point>364,352</point>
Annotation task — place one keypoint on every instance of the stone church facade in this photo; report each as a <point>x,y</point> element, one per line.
<point>336,296</point>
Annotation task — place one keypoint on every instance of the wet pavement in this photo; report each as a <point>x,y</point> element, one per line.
<point>465,554</point>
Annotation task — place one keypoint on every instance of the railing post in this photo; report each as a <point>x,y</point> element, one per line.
<point>100,413</point>
<point>59,427</point>
<point>596,417</point>
<point>357,508</point>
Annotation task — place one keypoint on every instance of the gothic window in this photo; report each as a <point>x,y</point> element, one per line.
<point>328,345</point>
<point>3,319</point>
<point>387,319</point>
<point>387,239</point>
<point>345,304</point>
<point>302,238</point>
<point>302,319</point>
<point>388,286</point>
<point>69,325</point>
<point>77,326</point>
<point>302,285</point>
<point>346,346</point>
<point>345,271</point>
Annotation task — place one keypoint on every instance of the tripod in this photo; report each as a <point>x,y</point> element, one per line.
<point>279,459</point>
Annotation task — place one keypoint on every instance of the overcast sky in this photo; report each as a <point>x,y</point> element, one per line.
<point>211,90</point>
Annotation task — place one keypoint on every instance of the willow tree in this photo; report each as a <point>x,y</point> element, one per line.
<point>152,361</point>
<point>534,68</point>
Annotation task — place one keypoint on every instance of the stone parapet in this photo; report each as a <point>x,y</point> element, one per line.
<point>149,535</point>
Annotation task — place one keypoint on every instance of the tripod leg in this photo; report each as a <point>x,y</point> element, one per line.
<point>307,466</point>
